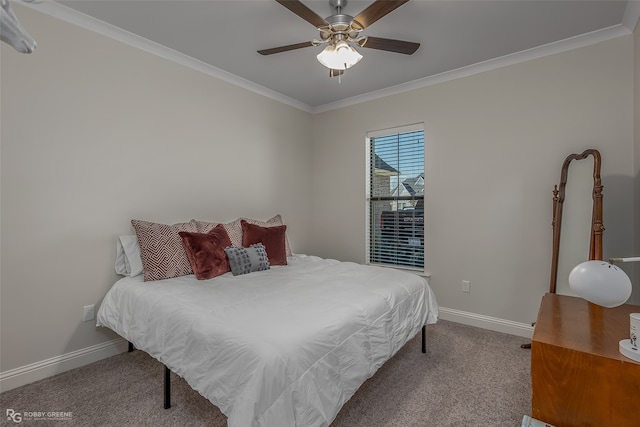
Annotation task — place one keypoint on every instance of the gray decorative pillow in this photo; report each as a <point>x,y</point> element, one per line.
<point>247,260</point>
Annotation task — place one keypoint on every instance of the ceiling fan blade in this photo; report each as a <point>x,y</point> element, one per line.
<point>284,48</point>
<point>377,10</point>
<point>303,12</point>
<point>398,46</point>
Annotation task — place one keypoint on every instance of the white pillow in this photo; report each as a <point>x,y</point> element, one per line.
<point>128,261</point>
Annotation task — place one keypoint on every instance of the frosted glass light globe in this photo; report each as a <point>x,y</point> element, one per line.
<point>339,56</point>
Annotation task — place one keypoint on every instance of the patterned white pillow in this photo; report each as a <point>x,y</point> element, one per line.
<point>234,229</point>
<point>161,249</point>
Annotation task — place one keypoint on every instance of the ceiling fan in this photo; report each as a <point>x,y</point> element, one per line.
<point>339,31</point>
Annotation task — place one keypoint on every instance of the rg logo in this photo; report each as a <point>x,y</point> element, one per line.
<point>14,416</point>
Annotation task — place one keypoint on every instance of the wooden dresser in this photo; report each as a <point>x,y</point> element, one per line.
<point>578,376</point>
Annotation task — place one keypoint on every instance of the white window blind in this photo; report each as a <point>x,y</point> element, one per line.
<point>395,197</point>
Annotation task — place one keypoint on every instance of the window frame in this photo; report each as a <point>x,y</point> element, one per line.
<point>368,196</point>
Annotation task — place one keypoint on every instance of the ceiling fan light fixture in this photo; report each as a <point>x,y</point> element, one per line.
<point>339,56</point>
<point>341,33</point>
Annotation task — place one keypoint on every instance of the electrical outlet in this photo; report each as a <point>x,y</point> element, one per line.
<point>466,286</point>
<point>88,313</point>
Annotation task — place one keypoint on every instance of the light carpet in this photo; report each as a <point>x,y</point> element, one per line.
<point>468,377</point>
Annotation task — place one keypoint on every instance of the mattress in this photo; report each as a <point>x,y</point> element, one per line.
<point>282,347</point>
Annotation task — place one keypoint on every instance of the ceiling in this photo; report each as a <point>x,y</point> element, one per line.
<point>224,36</point>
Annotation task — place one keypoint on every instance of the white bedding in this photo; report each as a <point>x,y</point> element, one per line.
<point>282,347</point>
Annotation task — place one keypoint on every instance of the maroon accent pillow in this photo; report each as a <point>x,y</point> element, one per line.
<point>273,239</point>
<point>206,252</point>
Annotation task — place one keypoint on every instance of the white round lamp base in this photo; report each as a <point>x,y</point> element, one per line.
<point>629,351</point>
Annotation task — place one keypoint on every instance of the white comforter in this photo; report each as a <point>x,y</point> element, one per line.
<point>282,347</point>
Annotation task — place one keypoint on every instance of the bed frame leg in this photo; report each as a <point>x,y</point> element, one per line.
<point>130,347</point>
<point>424,339</point>
<point>167,388</point>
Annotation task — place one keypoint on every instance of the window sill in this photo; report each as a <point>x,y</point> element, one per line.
<point>421,273</point>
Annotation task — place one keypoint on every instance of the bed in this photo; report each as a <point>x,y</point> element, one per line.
<point>287,346</point>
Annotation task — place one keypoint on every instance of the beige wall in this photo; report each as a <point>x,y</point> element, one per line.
<point>95,133</point>
<point>494,146</point>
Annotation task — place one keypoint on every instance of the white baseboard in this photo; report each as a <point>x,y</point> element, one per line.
<point>486,322</point>
<point>56,365</point>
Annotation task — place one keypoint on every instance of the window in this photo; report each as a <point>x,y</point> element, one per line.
<point>395,197</point>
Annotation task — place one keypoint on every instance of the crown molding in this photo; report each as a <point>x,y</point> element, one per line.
<point>631,15</point>
<point>480,67</point>
<point>90,23</point>
<point>59,11</point>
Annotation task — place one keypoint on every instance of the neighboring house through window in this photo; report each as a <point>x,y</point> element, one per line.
<point>395,197</point>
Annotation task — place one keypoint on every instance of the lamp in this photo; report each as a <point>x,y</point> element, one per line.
<point>339,56</point>
<point>601,282</point>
